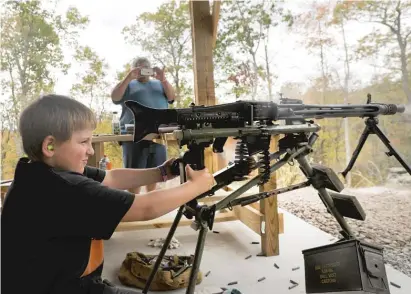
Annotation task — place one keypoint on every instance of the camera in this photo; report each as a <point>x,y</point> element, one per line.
<point>146,72</point>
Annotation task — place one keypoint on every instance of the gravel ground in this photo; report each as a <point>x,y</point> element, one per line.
<point>387,223</point>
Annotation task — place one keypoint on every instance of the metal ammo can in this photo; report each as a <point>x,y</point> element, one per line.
<point>348,266</point>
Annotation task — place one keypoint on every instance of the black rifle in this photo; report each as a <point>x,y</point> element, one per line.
<point>253,124</point>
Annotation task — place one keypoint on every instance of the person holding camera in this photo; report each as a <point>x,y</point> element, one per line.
<point>148,86</point>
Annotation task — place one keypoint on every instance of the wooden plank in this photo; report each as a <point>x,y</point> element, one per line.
<point>4,188</point>
<point>270,244</point>
<point>162,223</point>
<point>255,205</point>
<point>99,140</point>
<point>219,161</point>
<point>129,137</point>
<point>111,138</point>
<point>281,223</point>
<point>98,154</point>
<point>216,17</point>
<point>202,34</point>
<point>211,199</point>
<point>249,216</point>
<point>252,218</point>
<point>208,159</point>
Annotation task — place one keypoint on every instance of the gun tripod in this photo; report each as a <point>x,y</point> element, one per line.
<point>371,127</point>
<point>291,147</point>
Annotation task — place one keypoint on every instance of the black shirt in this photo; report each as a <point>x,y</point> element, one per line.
<point>49,219</point>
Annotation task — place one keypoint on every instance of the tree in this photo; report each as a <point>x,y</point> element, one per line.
<point>314,25</point>
<point>166,37</point>
<point>340,20</point>
<point>393,32</point>
<point>244,26</point>
<point>93,88</point>
<point>31,49</point>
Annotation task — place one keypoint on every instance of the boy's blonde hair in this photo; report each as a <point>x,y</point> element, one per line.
<point>52,115</point>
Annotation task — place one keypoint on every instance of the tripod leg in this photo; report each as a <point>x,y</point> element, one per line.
<point>197,257</point>
<point>163,249</point>
<point>387,143</point>
<point>357,151</point>
<point>325,196</point>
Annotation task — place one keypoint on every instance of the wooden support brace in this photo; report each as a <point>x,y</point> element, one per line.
<point>166,223</point>
<point>215,18</point>
<point>98,154</point>
<point>249,216</point>
<point>253,218</point>
<point>270,244</point>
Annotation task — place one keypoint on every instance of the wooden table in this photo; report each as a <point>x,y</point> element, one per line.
<point>98,143</point>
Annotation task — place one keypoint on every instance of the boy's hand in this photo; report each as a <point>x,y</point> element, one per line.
<point>202,178</point>
<point>167,165</point>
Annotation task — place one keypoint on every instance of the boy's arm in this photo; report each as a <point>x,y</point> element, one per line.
<point>160,202</point>
<point>128,178</point>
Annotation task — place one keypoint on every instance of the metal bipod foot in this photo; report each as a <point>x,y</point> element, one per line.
<point>163,249</point>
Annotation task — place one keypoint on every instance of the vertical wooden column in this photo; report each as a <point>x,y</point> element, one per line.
<point>98,153</point>
<point>202,43</point>
<point>270,228</point>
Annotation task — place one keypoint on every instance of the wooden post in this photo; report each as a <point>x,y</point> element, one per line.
<point>202,37</point>
<point>98,154</point>
<point>202,43</point>
<point>268,207</point>
<point>215,18</point>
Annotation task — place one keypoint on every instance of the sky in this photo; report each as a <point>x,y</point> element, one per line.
<point>107,19</point>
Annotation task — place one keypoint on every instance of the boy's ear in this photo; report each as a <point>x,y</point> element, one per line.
<point>48,146</point>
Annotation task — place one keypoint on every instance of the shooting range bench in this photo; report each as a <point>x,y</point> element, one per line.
<point>262,217</point>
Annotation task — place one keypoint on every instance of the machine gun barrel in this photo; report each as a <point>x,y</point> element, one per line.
<point>298,111</point>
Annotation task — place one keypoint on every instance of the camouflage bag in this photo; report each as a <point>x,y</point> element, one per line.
<point>173,273</point>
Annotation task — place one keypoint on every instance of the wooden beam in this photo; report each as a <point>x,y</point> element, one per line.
<point>166,223</point>
<point>202,34</point>
<point>98,154</point>
<point>249,216</point>
<point>270,244</point>
<point>211,199</point>
<point>216,17</point>
<point>252,218</point>
<point>129,137</point>
<point>4,189</point>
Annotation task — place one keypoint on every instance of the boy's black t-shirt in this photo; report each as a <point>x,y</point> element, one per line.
<point>49,220</point>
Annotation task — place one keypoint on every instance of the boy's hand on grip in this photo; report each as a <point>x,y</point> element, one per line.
<point>168,165</point>
<point>202,178</point>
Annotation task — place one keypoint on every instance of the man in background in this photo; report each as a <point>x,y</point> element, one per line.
<point>152,91</point>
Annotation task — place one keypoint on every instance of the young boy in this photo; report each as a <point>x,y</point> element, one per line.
<point>58,210</point>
